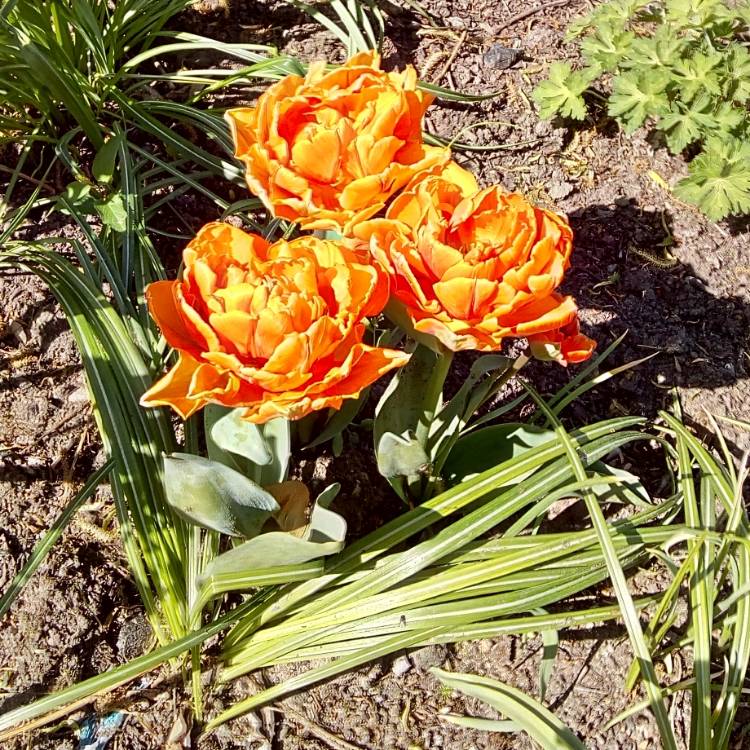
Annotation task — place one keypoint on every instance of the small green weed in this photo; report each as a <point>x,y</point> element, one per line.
<point>682,65</point>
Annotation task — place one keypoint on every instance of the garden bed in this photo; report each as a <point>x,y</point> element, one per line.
<point>644,263</point>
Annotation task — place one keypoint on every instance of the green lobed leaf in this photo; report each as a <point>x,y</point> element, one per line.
<point>698,75</point>
<point>655,53</point>
<point>683,125</point>
<point>719,178</point>
<point>562,92</point>
<point>636,96</point>
<point>606,46</point>
<point>738,72</point>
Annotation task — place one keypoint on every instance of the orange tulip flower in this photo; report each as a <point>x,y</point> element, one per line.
<point>472,267</point>
<point>274,328</point>
<point>329,149</point>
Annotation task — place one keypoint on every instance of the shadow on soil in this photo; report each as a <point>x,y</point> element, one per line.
<point>623,270</point>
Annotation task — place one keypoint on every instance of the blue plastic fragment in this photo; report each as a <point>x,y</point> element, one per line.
<point>97,731</point>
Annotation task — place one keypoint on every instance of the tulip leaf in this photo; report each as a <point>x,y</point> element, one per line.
<point>278,439</point>
<point>629,488</point>
<point>324,535</point>
<point>402,407</point>
<point>482,449</point>
<point>454,416</point>
<point>210,494</point>
<point>258,451</point>
<point>341,419</point>
<point>233,434</point>
<point>400,456</point>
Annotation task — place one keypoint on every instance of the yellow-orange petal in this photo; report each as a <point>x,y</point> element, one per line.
<point>361,192</point>
<point>457,342</point>
<point>364,366</point>
<point>456,295</point>
<point>317,155</point>
<point>173,389</point>
<point>369,363</point>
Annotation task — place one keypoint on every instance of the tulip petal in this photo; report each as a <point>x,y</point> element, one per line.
<point>173,389</point>
<point>455,295</point>
<point>160,296</point>
<point>317,156</point>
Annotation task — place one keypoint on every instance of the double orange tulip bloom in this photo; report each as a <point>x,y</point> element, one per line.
<point>278,329</point>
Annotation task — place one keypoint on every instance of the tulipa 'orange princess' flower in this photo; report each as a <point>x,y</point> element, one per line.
<point>329,149</point>
<point>274,328</point>
<point>472,267</point>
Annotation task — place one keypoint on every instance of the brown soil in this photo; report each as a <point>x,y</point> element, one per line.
<point>79,615</point>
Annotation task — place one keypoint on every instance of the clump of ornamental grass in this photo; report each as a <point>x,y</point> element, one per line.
<point>75,76</point>
<point>680,66</point>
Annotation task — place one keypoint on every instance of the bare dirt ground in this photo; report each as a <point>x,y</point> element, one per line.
<point>643,262</point>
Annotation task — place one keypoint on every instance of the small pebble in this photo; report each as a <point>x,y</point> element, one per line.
<point>561,189</point>
<point>401,666</point>
<point>500,57</point>
<point>79,395</point>
<point>18,331</point>
<point>429,656</point>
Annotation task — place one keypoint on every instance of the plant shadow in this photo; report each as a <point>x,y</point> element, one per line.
<point>625,279</point>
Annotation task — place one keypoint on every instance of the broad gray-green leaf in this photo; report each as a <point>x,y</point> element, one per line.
<point>258,451</point>
<point>402,405</point>
<point>278,439</point>
<point>324,535</point>
<point>211,494</point>
<point>482,449</point>
<point>326,525</point>
<point>233,434</point>
<point>400,456</point>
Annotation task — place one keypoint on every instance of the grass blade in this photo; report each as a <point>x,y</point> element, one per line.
<point>531,716</point>
<point>629,613</point>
